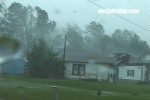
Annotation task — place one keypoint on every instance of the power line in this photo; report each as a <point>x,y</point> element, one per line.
<point>121,17</point>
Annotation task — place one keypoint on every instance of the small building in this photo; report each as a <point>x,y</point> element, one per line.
<point>13,67</point>
<point>0,69</point>
<point>106,68</point>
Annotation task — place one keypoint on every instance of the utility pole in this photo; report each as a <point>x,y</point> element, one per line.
<point>64,54</point>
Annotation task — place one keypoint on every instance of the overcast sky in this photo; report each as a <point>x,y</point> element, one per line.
<point>82,12</point>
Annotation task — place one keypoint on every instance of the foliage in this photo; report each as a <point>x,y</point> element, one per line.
<point>25,23</point>
<point>129,42</point>
<point>19,22</point>
<point>43,61</point>
<point>28,24</point>
<point>95,37</point>
<point>43,24</point>
<point>74,39</point>
<point>119,42</point>
<point>3,21</point>
<point>96,29</point>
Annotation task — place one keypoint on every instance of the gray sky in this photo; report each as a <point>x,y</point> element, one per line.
<point>62,11</point>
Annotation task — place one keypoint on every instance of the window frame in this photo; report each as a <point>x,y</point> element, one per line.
<point>78,69</point>
<point>130,73</point>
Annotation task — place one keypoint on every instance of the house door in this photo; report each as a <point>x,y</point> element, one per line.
<point>116,75</point>
<point>113,74</point>
<point>111,77</point>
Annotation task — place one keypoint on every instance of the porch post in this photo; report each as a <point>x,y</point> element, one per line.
<point>143,73</point>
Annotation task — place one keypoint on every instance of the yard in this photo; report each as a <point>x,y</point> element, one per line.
<point>20,88</point>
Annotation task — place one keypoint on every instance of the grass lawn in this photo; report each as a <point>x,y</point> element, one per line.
<point>20,88</point>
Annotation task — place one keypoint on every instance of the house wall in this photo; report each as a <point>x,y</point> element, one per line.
<point>92,71</point>
<point>14,67</point>
<point>139,72</point>
<point>147,73</point>
<point>97,71</point>
<point>0,69</point>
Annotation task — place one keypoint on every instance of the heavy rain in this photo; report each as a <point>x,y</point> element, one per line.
<point>74,49</point>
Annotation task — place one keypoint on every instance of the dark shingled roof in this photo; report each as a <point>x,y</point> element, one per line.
<point>89,59</point>
<point>135,60</point>
<point>103,59</point>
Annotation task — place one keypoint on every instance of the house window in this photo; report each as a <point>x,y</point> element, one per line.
<point>78,69</point>
<point>130,73</point>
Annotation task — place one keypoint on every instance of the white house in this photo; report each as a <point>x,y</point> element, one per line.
<point>113,68</point>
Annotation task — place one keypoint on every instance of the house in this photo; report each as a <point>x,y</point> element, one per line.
<point>13,67</point>
<point>112,68</point>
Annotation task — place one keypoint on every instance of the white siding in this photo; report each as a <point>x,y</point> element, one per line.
<point>92,71</point>
<point>97,70</point>
<point>139,72</point>
<point>101,72</point>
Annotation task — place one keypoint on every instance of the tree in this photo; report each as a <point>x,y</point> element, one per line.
<point>43,61</point>
<point>129,42</point>
<point>95,29</point>
<point>121,40</point>
<point>43,24</point>
<point>95,36</point>
<point>4,28</point>
<point>2,7</point>
<point>75,39</point>
<point>21,22</point>
<point>17,18</point>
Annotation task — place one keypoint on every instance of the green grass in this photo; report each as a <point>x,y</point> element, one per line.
<point>20,88</point>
